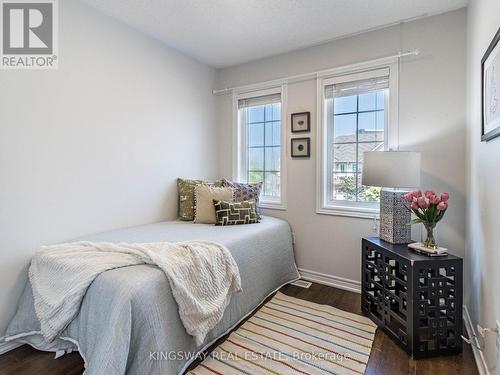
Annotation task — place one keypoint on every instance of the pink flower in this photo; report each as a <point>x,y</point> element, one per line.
<point>422,202</point>
<point>429,193</point>
<point>409,197</point>
<point>445,197</point>
<point>414,206</point>
<point>442,206</point>
<point>434,199</point>
<point>417,193</point>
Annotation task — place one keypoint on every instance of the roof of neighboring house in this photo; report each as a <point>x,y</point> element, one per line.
<point>347,152</point>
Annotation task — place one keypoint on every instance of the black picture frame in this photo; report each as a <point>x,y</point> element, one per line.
<point>485,137</point>
<point>308,125</point>
<point>307,141</point>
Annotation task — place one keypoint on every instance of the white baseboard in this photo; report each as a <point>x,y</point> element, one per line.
<point>482,367</point>
<point>330,280</point>
<point>7,346</point>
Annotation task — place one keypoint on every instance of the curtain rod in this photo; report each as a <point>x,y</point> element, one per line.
<point>305,76</point>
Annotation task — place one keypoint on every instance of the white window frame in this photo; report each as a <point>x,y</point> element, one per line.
<point>349,208</point>
<point>240,151</point>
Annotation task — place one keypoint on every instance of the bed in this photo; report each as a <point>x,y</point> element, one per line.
<point>128,320</point>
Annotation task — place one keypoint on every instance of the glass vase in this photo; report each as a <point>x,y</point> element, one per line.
<point>430,241</point>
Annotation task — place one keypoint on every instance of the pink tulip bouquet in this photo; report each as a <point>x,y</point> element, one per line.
<point>429,208</point>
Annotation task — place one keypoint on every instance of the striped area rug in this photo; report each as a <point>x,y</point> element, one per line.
<point>292,336</point>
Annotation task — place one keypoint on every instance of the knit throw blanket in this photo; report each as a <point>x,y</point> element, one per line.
<point>202,275</point>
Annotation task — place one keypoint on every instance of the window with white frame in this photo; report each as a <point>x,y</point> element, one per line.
<point>356,112</point>
<point>260,143</point>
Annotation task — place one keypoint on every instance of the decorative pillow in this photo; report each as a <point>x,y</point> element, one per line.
<point>228,213</point>
<point>185,189</point>
<point>204,196</point>
<point>245,192</point>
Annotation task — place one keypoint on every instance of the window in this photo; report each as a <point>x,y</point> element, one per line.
<point>260,139</point>
<point>356,114</point>
<point>357,124</point>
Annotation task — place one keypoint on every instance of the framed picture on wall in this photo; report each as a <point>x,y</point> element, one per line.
<point>301,147</point>
<point>301,122</point>
<point>490,79</point>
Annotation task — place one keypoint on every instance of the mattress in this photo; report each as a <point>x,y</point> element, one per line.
<point>128,321</point>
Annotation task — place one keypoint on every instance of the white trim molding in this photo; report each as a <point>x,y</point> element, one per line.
<point>7,346</point>
<point>357,212</point>
<point>482,367</point>
<point>330,280</point>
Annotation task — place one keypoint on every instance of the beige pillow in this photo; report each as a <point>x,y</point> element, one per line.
<point>204,197</point>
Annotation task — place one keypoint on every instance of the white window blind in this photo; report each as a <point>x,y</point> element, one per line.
<point>259,100</point>
<point>354,84</point>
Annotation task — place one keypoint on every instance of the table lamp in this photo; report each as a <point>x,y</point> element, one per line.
<point>394,172</point>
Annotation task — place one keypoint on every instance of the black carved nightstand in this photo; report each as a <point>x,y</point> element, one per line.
<point>416,299</point>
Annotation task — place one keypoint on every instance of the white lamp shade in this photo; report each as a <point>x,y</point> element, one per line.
<point>393,169</point>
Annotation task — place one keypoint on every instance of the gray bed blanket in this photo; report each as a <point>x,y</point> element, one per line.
<point>202,276</point>
<point>129,322</point>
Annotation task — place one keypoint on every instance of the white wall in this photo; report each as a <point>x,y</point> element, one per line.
<point>483,208</point>
<point>432,120</point>
<point>97,144</point>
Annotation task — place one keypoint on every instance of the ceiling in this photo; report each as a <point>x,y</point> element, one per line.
<point>222,33</point>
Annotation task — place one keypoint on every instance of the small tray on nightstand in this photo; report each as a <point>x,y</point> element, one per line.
<point>420,248</point>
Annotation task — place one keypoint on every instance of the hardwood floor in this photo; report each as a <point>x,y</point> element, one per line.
<point>28,361</point>
<point>386,357</point>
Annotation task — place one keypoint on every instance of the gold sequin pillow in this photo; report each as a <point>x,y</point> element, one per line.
<point>185,190</point>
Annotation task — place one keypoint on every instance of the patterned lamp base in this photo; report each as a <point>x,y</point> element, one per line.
<point>394,217</point>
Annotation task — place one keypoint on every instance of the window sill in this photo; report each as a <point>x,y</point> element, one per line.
<point>272,206</point>
<point>356,212</point>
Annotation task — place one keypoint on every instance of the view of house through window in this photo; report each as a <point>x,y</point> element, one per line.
<point>357,125</point>
<point>263,157</point>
